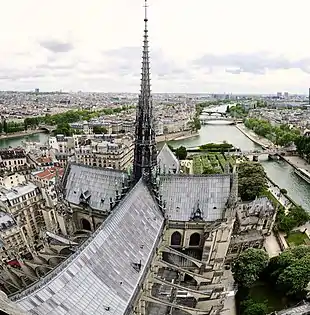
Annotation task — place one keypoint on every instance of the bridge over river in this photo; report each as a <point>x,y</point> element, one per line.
<point>204,120</point>
<point>254,154</point>
<point>47,127</point>
<point>208,116</point>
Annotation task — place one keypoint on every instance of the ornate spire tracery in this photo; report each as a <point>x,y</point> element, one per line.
<point>145,154</point>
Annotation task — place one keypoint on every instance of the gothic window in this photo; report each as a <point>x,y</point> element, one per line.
<point>176,238</point>
<point>194,239</point>
<point>85,225</point>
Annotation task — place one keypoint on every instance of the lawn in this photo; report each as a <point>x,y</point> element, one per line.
<point>296,238</point>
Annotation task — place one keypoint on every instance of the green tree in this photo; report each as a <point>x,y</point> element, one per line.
<point>181,153</point>
<point>295,278</point>
<point>5,126</point>
<point>195,124</point>
<point>99,130</point>
<point>303,147</point>
<point>216,146</point>
<point>280,271</point>
<point>227,109</point>
<point>252,180</point>
<point>282,135</point>
<point>63,129</point>
<point>297,216</point>
<point>238,111</point>
<point>249,266</point>
<point>251,307</point>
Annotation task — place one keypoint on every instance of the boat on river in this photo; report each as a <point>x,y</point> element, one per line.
<point>304,174</point>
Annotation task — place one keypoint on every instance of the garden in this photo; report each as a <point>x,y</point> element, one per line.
<point>212,163</point>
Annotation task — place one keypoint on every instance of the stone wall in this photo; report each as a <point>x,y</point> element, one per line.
<point>173,136</point>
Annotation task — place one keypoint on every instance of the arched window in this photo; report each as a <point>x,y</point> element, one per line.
<point>176,238</point>
<point>85,225</point>
<point>194,239</point>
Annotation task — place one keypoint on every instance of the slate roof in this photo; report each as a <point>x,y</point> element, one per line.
<point>167,161</point>
<point>96,184</point>
<point>183,193</point>
<point>101,274</point>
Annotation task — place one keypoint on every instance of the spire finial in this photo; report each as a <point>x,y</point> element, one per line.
<point>145,11</point>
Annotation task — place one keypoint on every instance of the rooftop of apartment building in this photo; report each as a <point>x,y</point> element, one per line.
<point>9,154</point>
<point>6,221</point>
<point>16,192</point>
<point>49,173</point>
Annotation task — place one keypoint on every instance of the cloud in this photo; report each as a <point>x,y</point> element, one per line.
<point>127,60</point>
<point>56,46</point>
<point>254,63</point>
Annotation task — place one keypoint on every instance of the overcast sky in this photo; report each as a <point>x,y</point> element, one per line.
<point>232,46</point>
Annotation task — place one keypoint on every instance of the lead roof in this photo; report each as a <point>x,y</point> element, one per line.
<point>167,161</point>
<point>97,185</point>
<point>102,274</point>
<point>183,194</point>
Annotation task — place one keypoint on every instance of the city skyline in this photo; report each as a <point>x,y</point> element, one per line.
<point>203,48</point>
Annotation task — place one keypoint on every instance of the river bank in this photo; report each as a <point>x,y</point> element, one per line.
<point>20,134</point>
<point>250,134</point>
<point>294,160</point>
<point>181,135</point>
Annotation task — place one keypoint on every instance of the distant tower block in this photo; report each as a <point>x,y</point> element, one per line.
<point>36,90</point>
<point>309,96</point>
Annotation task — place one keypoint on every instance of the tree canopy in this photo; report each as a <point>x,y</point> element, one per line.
<point>251,307</point>
<point>295,278</point>
<point>296,216</point>
<point>238,111</point>
<point>99,130</point>
<point>303,147</point>
<point>181,153</point>
<point>251,180</point>
<point>216,147</point>
<point>63,129</point>
<point>290,271</point>
<point>249,266</point>
<point>282,135</point>
<point>72,116</point>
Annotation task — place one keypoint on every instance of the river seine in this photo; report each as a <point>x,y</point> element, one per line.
<point>279,171</point>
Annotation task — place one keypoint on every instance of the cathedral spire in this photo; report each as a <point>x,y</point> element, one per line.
<point>145,145</point>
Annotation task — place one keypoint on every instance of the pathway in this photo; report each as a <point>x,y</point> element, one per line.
<point>230,301</point>
<point>272,246</point>
<point>284,201</point>
<point>297,161</point>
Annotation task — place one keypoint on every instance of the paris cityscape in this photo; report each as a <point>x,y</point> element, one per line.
<point>154,197</point>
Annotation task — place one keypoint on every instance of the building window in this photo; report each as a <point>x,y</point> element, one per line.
<point>85,225</point>
<point>194,239</point>
<point>176,238</point>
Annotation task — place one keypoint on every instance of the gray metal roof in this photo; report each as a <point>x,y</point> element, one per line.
<point>183,193</point>
<point>101,273</point>
<point>298,310</point>
<point>167,161</point>
<point>96,183</point>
